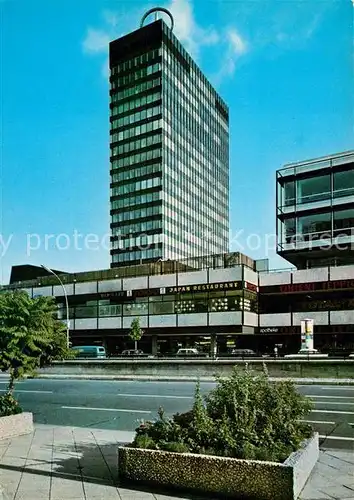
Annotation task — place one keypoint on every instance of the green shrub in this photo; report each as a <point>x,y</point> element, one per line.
<point>9,405</point>
<point>245,416</point>
<point>145,441</point>
<point>174,447</point>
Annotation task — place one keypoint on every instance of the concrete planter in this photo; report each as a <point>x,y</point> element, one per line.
<point>227,477</point>
<point>16,425</point>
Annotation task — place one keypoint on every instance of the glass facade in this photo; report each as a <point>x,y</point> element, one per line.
<point>315,210</point>
<point>169,152</point>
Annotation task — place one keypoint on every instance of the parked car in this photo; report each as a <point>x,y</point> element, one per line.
<point>306,354</point>
<point>309,351</point>
<point>133,352</point>
<point>190,352</point>
<point>244,353</point>
<point>89,351</point>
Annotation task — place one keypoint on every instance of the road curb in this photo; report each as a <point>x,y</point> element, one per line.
<point>147,378</point>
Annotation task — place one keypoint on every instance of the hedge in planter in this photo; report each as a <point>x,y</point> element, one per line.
<point>245,416</point>
<point>9,405</point>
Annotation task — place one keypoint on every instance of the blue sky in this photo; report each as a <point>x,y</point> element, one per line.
<point>284,67</point>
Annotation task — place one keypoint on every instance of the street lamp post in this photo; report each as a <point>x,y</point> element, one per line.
<point>66,302</point>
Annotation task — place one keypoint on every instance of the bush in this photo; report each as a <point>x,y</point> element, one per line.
<point>144,441</point>
<point>245,416</point>
<point>175,447</point>
<point>9,405</point>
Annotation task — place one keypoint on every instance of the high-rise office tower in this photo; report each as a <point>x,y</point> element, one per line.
<point>169,152</point>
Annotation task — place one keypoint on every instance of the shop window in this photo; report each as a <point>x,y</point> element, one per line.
<point>161,307</point>
<point>288,192</point>
<point>289,228</point>
<point>86,311</point>
<point>343,183</point>
<point>344,222</point>
<point>315,226</point>
<point>313,189</point>
<point>184,306</point>
<point>110,310</point>
<point>135,309</point>
<point>219,304</point>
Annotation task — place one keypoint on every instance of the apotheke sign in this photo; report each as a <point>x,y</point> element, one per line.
<point>288,330</point>
<point>230,285</point>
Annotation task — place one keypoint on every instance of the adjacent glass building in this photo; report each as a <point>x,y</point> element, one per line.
<point>315,211</point>
<point>169,152</point>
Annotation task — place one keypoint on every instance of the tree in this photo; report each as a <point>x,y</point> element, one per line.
<point>31,336</point>
<point>135,332</point>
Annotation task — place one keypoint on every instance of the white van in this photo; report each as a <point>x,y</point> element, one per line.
<point>188,352</point>
<point>89,351</point>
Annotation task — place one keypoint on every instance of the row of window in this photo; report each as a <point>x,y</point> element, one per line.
<point>143,240</point>
<point>138,213</point>
<point>212,194</point>
<point>317,188</point>
<point>150,253</point>
<point>194,76</point>
<point>317,302</point>
<point>136,61</point>
<point>144,114</point>
<point>192,95</point>
<point>136,186</point>
<point>135,75</point>
<point>135,173</point>
<point>137,144</point>
<point>137,130</point>
<point>318,225</point>
<point>185,306</point>
<point>139,227</point>
<point>136,89</point>
<point>135,103</point>
<point>195,221</point>
<point>152,154</point>
<point>140,199</point>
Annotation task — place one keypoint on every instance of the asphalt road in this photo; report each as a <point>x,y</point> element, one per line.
<point>121,405</point>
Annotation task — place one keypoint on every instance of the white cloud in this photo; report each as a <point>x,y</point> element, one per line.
<point>187,30</point>
<point>238,45</point>
<point>111,18</point>
<point>105,69</point>
<point>193,36</point>
<point>96,41</point>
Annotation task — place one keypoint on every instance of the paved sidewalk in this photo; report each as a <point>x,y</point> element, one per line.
<point>71,463</point>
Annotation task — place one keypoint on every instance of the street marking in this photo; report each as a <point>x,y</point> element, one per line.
<point>333,411</point>
<point>104,409</point>
<point>338,438</point>
<point>35,392</point>
<point>333,403</point>
<point>336,388</point>
<point>153,396</point>
<point>333,397</point>
<point>318,422</point>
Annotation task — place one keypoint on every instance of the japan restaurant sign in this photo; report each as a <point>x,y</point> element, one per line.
<point>229,285</point>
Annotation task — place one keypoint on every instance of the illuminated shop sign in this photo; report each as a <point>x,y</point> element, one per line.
<point>113,295</point>
<point>251,287</point>
<point>280,329</point>
<point>230,285</point>
<point>309,287</point>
